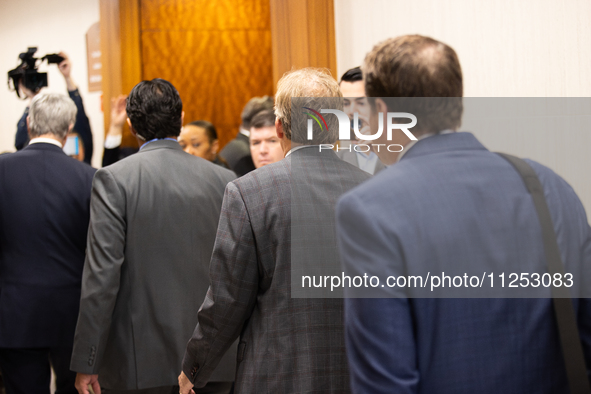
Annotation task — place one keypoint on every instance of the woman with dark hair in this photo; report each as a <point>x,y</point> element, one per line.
<point>200,139</point>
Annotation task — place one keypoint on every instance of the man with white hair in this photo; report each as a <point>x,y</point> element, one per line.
<point>44,215</point>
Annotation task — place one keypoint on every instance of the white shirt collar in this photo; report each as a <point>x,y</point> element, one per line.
<point>42,140</point>
<point>298,148</point>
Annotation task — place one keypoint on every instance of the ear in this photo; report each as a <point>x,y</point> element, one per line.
<point>381,106</point>
<point>215,146</point>
<point>28,127</point>
<point>67,134</point>
<point>279,129</point>
<point>133,132</point>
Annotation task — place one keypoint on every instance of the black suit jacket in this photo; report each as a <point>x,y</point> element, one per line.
<point>237,154</point>
<point>44,214</point>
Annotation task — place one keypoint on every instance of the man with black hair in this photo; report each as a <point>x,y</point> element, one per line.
<point>153,222</point>
<point>237,151</point>
<point>354,100</point>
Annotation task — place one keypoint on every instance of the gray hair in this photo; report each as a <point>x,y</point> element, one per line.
<point>312,88</point>
<point>51,113</point>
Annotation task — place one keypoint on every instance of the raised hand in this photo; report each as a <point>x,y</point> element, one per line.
<point>65,68</point>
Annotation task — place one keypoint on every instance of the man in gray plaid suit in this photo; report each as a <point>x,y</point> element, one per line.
<point>287,345</point>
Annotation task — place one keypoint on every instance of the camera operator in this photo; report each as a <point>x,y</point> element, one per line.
<point>82,125</point>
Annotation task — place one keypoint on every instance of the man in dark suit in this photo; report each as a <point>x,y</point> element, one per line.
<point>153,222</point>
<point>44,213</point>
<point>354,101</point>
<point>447,202</point>
<point>237,151</point>
<point>287,345</point>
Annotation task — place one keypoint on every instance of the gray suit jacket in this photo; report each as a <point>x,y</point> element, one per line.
<point>287,345</point>
<point>351,158</point>
<point>154,217</point>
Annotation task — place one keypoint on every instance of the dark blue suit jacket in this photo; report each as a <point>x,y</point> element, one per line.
<point>451,201</point>
<point>44,214</point>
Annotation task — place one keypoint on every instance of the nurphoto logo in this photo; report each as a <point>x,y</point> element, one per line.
<point>345,128</point>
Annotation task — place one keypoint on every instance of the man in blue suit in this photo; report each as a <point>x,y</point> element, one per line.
<point>446,201</point>
<point>44,215</point>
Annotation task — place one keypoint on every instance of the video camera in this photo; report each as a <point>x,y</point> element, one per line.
<point>27,71</point>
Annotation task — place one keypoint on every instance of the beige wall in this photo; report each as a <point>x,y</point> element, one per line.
<point>507,48</point>
<point>52,26</point>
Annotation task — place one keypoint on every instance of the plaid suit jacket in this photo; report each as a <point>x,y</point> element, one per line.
<point>287,345</point>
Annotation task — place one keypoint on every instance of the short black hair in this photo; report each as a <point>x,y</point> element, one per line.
<point>264,118</point>
<point>209,128</point>
<point>352,75</point>
<point>253,107</point>
<point>155,109</point>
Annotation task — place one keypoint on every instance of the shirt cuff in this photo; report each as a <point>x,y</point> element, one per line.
<point>112,141</point>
